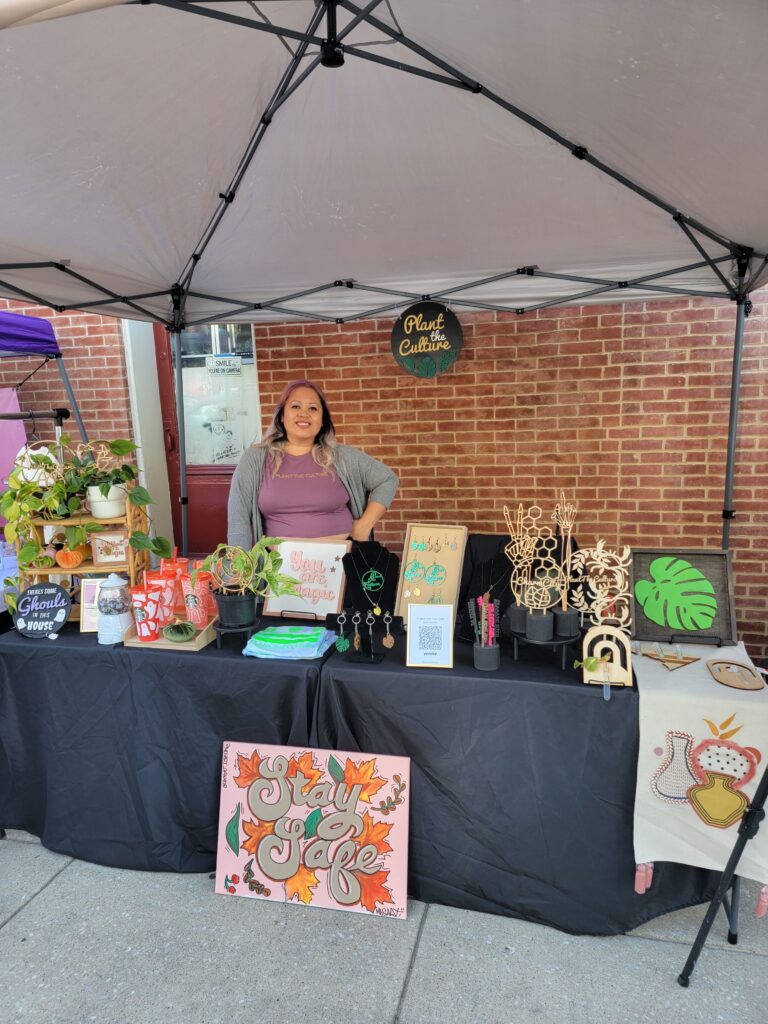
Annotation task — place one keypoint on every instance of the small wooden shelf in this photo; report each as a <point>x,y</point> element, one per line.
<point>78,520</point>
<point>84,569</point>
<point>133,520</point>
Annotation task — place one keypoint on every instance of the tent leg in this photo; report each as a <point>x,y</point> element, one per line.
<point>183,499</point>
<point>733,416</point>
<point>71,396</point>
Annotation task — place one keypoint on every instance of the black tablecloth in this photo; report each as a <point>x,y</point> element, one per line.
<point>522,787</point>
<point>113,755</point>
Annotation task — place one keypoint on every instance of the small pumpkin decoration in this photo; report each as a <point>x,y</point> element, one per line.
<point>68,559</point>
<point>179,631</point>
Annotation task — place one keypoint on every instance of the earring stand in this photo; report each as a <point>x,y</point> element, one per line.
<point>750,823</point>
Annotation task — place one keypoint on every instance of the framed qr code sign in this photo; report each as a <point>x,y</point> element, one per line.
<point>430,636</point>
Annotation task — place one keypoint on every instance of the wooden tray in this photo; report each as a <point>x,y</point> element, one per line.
<point>200,640</point>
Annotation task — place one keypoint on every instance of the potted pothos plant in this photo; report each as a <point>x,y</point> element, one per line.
<point>49,484</point>
<point>242,576</point>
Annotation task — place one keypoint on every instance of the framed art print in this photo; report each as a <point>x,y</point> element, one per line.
<point>430,572</point>
<point>317,565</point>
<point>681,595</point>
<point>89,596</point>
<point>110,547</point>
<point>430,636</point>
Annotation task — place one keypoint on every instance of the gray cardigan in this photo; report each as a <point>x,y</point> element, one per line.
<point>364,477</point>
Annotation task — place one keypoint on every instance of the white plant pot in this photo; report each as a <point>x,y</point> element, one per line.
<point>108,507</point>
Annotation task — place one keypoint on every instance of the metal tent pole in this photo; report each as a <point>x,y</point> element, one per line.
<point>72,400</point>
<point>175,332</point>
<point>183,499</point>
<point>733,415</point>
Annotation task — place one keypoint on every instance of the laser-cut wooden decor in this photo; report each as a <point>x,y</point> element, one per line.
<point>611,643</point>
<point>600,584</point>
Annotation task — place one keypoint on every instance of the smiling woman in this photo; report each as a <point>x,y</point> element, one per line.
<point>300,483</point>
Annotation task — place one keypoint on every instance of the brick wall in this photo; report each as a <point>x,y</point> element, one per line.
<point>623,407</point>
<point>95,363</point>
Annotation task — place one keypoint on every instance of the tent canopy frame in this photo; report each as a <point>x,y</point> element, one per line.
<point>332,53</point>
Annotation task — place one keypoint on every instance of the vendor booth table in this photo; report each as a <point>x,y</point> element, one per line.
<point>113,755</point>
<point>522,780</point>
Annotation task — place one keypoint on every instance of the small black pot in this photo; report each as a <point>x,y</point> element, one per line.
<point>236,609</point>
<point>540,626</point>
<point>514,618</point>
<point>566,622</point>
<point>486,657</point>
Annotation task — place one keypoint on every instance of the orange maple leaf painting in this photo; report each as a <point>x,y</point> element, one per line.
<point>362,774</point>
<point>301,885</point>
<point>256,830</point>
<point>306,765</point>
<point>375,832</point>
<point>372,889</point>
<point>248,768</point>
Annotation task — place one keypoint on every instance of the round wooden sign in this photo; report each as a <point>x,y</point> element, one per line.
<point>41,609</point>
<point>426,339</point>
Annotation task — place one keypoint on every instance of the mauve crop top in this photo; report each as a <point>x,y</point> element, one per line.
<point>303,500</point>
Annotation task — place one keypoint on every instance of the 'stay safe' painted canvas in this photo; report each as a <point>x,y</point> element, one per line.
<point>315,827</point>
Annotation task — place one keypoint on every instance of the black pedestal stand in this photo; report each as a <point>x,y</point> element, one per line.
<point>245,631</point>
<point>563,642</point>
<point>750,823</point>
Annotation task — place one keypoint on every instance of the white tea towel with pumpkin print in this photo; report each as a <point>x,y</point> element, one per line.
<point>703,747</point>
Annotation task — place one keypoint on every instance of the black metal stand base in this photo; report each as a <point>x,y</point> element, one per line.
<point>245,631</point>
<point>362,658</point>
<point>556,642</point>
<point>748,828</point>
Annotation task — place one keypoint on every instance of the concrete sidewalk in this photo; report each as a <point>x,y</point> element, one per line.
<point>81,943</point>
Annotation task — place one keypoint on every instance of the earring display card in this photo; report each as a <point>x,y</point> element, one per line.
<point>430,572</point>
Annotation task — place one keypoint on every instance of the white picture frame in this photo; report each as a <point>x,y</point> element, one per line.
<point>89,596</point>
<point>317,565</point>
<point>429,641</point>
<point>110,547</point>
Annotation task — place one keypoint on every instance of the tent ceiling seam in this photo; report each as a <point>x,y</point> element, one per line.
<point>229,194</point>
<point>579,151</point>
<point>234,19</point>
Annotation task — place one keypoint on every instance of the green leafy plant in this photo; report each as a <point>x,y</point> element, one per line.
<point>256,571</point>
<point>49,482</point>
<point>592,663</point>
<point>678,595</point>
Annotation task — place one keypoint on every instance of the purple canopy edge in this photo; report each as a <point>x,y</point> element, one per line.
<point>26,336</point>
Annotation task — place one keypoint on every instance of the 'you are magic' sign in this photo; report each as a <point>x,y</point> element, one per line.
<point>318,827</point>
<point>317,567</point>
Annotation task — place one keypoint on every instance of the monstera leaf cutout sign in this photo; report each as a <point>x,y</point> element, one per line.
<point>678,595</point>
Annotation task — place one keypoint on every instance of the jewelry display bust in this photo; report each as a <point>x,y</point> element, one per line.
<point>371,573</point>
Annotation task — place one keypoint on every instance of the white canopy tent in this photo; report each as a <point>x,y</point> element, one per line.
<point>191,162</point>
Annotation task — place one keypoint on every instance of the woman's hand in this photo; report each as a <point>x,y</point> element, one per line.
<point>361,528</point>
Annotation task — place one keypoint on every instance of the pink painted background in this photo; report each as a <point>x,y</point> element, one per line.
<point>379,831</point>
<point>12,436</point>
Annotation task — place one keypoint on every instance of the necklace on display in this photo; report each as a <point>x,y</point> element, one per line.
<point>506,572</point>
<point>372,581</point>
